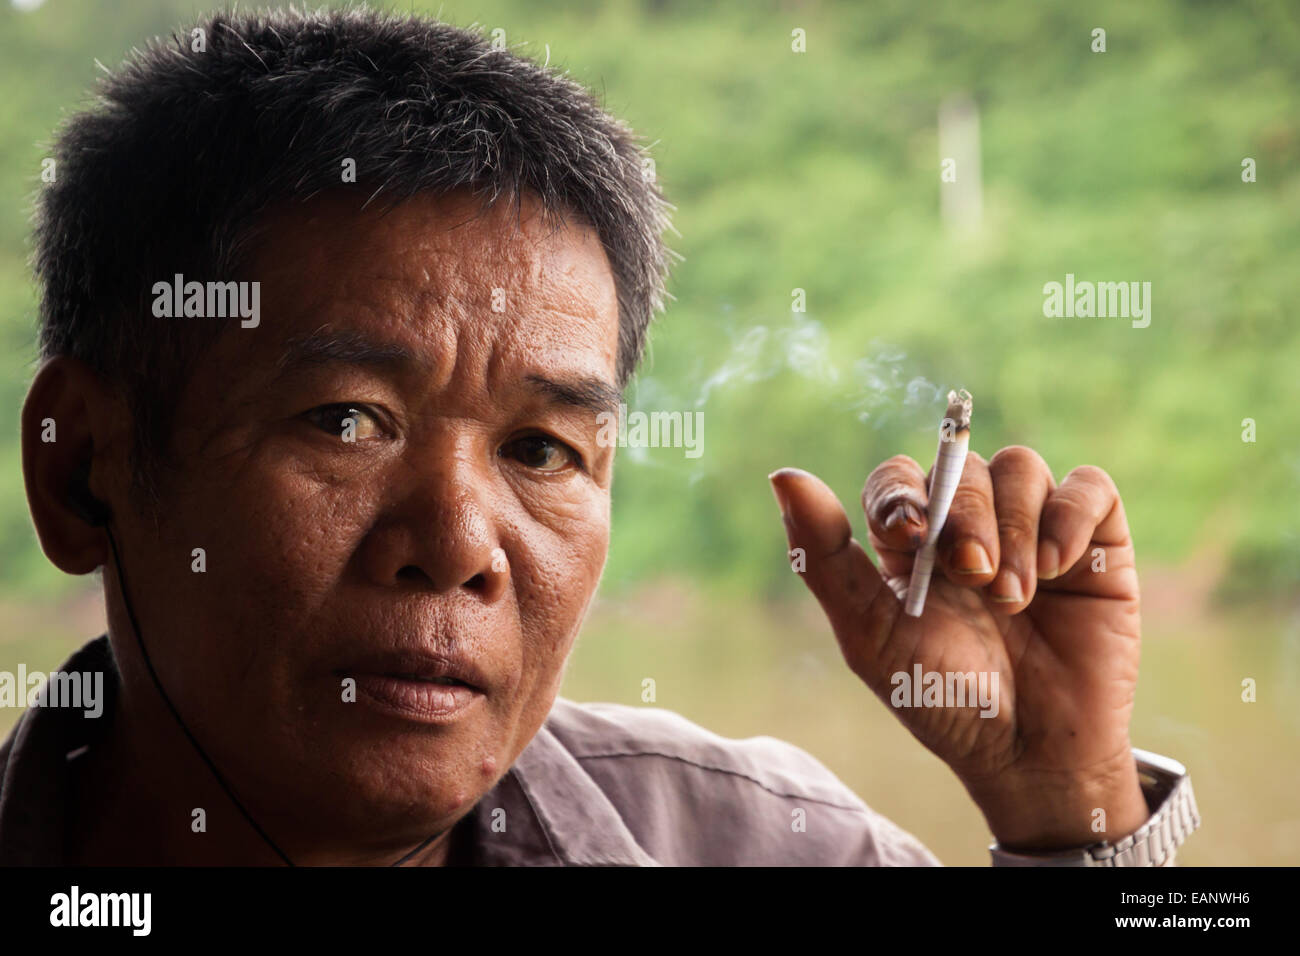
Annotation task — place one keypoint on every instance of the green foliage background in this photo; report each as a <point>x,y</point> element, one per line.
<point>820,171</point>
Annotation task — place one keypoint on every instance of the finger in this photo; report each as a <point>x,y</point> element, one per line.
<point>969,549</point>
<point>861,609</point>
<point>894,501</point>
<point>1086,508</point>
<point>1021,484</point>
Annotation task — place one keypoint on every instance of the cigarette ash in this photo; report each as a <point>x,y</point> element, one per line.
<point>959,409</point>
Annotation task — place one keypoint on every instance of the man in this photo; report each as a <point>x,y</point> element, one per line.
<point>332,305</point>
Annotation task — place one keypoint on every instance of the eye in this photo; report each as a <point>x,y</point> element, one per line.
<point>351,423</point>
<point>541,452</point>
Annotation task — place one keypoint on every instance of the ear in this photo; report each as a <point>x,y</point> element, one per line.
<point>68,429</point>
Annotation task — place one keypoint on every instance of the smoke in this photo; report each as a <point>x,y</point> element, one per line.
<point>886,395</point>
<point>879,389</point>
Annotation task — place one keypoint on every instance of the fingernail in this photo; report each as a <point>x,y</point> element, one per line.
<point>905,512</point>
<point>969,557</point>
<point>1049,560</point>
<point>1006,589</point>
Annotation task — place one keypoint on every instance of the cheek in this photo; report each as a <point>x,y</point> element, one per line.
<point>241,642</point>
<point>556,582</point>
<point>298,535</point>
<point>276,546</point>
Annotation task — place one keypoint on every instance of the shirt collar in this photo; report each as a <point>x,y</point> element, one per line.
<point>580,825</point>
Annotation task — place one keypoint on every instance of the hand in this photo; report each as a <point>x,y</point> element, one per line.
<point>1035,584</point>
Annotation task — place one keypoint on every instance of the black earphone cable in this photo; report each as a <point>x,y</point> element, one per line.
<point>144,653</point>
<point>139,636</point>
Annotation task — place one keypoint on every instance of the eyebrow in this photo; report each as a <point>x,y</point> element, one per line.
<point>346,348</point>
<point>352,348</point>
<point>593,394</point>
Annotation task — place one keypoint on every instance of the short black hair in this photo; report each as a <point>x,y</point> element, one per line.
<point>185,149</point>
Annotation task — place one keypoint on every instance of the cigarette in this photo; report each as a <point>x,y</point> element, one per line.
<point>954,440</point>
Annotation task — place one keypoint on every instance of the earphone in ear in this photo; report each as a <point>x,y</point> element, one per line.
<point>84,504</point>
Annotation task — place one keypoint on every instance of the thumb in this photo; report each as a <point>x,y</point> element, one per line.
<point>861,607</point>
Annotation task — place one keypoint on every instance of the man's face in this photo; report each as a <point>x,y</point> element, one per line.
<point>467,520</point>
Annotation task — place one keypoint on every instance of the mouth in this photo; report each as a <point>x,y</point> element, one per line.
<point>420,688</point>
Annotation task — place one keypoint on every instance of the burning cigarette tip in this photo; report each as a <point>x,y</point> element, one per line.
<point>959,408</point>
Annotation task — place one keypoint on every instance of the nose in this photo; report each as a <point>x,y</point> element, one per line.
<point>439,535</point>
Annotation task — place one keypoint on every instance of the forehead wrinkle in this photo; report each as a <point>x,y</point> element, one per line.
<point>430,281</point>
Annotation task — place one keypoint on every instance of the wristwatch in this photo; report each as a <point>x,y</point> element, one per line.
<point>1168,793</point>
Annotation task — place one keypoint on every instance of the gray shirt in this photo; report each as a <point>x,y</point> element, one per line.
<point>599,785</point>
